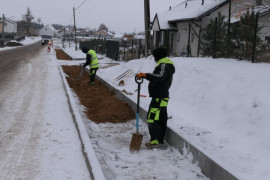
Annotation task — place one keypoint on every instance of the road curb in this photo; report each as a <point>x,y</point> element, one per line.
<point>91,160</point>
<point>208,166</point>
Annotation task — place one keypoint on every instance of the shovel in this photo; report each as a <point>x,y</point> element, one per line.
<point>80,76</point>
<point>136,140</point>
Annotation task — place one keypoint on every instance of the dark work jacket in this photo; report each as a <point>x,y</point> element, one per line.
<point>88,60</point>
<point>161,79</point>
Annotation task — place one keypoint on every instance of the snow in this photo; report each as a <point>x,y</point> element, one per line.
<point>38,139</point>
<point>219,105</point>
<point>111,144</point>
<point>88,148</point>
<point>26,41</point>
<point>39,121</point>
<point>187,9</point>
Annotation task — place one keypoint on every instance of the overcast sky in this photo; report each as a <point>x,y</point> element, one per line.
<point>117,15</point>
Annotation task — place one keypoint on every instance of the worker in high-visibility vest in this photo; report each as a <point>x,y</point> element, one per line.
<point>159,84</point>
<point>92,61</point>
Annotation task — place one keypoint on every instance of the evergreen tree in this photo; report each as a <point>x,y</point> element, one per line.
<point>243,36</point>
<point>214,38</point>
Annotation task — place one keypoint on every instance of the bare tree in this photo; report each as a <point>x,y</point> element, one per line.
<point>28,17</point>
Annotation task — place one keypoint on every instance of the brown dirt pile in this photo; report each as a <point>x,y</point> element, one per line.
<point>60,54</point>
<point>101,103</point>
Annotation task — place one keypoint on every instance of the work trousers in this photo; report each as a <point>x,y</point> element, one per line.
<point>157,118</point>
<point>93,72</point>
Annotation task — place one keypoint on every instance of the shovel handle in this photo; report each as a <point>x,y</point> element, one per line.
<point>138,81</point>
<point>82,71</point>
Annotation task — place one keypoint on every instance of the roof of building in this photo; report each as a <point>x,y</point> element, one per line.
<point>187,10</point>
<point>50,27</point>
<point>103,32</point>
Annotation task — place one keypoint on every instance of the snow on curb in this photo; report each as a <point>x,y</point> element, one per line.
<point>208,166</point>
<point>87,148</point>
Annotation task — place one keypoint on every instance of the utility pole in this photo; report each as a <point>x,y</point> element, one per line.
<point>3,27</point>
<point>229,29</point>
<point>255,37</point>
<point>147,26</point>
<point>229,19</point>
<point>75,30</point>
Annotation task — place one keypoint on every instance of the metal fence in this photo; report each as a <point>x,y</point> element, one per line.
<point>117,50</point>
<point>241,40</point>
<point>112,49</point>
<point>99,45</point>
<point>131,49</point>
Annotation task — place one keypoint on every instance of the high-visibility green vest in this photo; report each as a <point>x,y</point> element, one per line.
<point>94,60</point>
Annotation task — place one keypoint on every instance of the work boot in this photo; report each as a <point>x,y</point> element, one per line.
<point>91,83</point>
<point>153,143</point>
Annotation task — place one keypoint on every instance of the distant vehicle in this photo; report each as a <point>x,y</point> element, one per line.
<point>46,39</point>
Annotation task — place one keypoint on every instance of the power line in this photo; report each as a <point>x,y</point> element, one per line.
<point>83,9</point>
<point>81,4</point>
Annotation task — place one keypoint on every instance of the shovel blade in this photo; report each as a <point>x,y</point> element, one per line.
<point>136,142</point>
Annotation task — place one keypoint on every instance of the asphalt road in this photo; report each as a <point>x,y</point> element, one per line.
<point>13,59</point>
<point>37,140</point>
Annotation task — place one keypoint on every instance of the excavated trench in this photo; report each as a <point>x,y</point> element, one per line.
<point>60,54</point>
<point>100,102</point>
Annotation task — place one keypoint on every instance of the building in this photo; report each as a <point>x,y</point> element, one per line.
<point>10,26</point>
<point>66,34</point>
<point>180,27</point>
<point>48,30</point>
<point>103,34</point>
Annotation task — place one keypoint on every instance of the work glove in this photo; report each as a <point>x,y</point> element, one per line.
<point>141,75</point>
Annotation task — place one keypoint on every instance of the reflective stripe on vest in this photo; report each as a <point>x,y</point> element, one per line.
<point>94,60</point>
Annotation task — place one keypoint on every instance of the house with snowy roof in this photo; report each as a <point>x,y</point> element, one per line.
<point>181,26</point>
<point>48,30</point>
<point>103,34</point>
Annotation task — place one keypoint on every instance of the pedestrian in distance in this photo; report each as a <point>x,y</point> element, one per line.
<point>159,84</point>
<point>92,61</point>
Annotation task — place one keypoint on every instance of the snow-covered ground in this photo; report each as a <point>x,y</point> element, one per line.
<point>111,144</point>
<point>38,139</point>
<point>221,106</point>
<point>26,41</point>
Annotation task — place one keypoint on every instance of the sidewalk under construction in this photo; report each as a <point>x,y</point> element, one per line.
<point>102,92</point>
